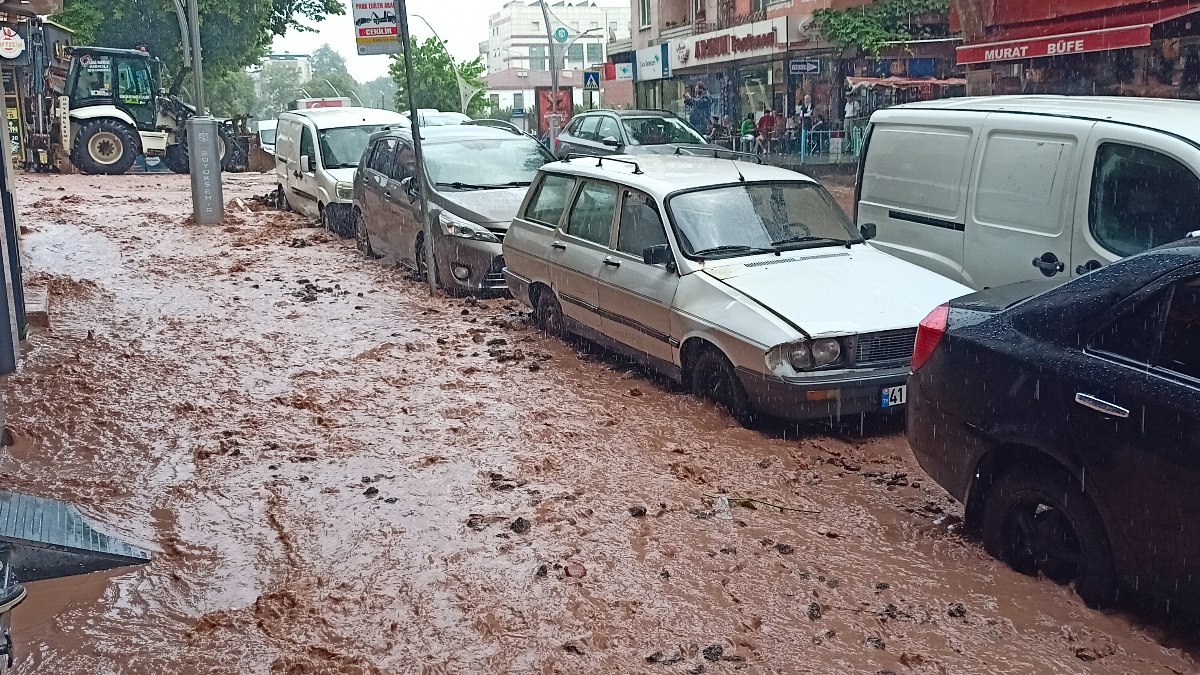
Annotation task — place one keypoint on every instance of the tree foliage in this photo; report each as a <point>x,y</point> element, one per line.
<point>330,76</point>
<point>870,27</point>
<point>379,93</point>
<point>234,33</point>
<point>433,78</point>
<point>279,83</point>
<point>231,94</point>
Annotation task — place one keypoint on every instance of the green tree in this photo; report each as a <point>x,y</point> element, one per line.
<point>433,78</point>
<point>279,84</point>
<point>870,27</point>
<point>235,33</point>
<point>232,94</point>
<point>330,76</point>
<point>380,92</point>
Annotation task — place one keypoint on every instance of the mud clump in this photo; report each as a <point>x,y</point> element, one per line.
<point>956,610</point>
<point>520,526</point>
<point>814,611</point>
<point>713,653</point>
<point>637,511</point>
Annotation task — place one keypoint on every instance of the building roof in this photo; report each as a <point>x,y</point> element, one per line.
<point>524,78</point>
<point>663,174</point>
<point>1172,116</point>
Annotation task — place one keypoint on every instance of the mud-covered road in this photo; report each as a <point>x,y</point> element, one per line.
<point>339,474</point>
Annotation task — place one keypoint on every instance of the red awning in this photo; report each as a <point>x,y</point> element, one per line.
<point>1073,35</point>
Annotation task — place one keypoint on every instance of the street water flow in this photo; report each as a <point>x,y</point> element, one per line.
<point>339,474</point>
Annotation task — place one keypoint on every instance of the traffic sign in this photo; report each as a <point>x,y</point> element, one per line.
<point>591,80</point>
<point>561,34</point>
<point>804,66</point>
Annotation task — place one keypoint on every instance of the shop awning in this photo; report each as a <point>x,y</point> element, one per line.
<point>903,82</point>
<point>1080,34</point>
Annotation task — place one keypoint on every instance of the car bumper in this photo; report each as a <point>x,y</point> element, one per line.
<point>830,397</point>
<point>518,287</point>
<point>470,265</point>
<point>945,447</point>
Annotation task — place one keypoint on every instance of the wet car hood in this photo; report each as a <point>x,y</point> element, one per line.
<point>839,291</point>
<point>496,208</point>
<point>665,148</point>
<point>344,175</point>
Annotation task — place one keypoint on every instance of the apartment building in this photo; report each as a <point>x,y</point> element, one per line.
<point>517,34</point>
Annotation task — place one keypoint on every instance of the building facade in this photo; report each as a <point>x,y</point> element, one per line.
<point>1081,47</point>
<point>517,36</point>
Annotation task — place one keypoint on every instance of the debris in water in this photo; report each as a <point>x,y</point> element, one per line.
<point>637,511</point>
<point>785,549</point>
<point>882,586</point>
<point>957,610</point>
<point>814,611</point>
<point>573,647</point>
<point>475,521</point>
<point>574,570</point>
<point>876,642</point>
<point>722,508</point>
<point>713,653</point>
<point>520,526</point>
<point>371,491</point>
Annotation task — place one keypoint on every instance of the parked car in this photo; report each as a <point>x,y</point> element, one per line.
<point>626,132</point>
<point>478,175</point>
<point>432,117</point>
<point>996,190</point>
<point>316,152</point>
<point>746,282</point>
<point>266,134</point>
<point>1068,423</point>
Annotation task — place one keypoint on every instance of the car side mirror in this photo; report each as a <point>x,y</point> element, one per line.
<point>611,142</point>
<point>307,163</point>
<point>868,231</point>
<point>659,255</point>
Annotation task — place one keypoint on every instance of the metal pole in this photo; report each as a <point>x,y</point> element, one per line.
<point>181,13</point>
<point>415,120</point>
<point>194,12</point>
<point>335,91</point>
<point>553,73</point>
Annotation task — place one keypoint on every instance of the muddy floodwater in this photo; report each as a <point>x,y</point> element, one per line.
<point>339,474</point>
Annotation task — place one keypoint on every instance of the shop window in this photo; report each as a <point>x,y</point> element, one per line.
<point>1140,199</point>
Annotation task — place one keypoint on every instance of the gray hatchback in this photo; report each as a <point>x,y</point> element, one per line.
<point>478,176</point>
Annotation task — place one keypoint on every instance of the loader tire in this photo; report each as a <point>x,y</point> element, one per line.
<point>105,146</point>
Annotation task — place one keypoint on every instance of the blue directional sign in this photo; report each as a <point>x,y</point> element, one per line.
<point>591,80</point>
<point>561,34</point>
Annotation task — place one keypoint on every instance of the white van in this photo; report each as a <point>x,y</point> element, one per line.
<point>316,154</point>
<point>996,190</point>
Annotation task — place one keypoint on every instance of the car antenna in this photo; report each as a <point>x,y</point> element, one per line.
<point>741,178</point>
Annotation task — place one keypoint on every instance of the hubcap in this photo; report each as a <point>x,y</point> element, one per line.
<point>1042,538</point>
<point>106,148</point>
<point>714,384</point>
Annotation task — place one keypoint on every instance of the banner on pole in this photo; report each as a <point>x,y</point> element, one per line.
<point>375,29</point>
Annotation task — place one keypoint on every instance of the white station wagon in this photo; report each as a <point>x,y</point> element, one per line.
<point>746,282</point>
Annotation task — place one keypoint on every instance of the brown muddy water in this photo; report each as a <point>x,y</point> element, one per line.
<point>339,474</point>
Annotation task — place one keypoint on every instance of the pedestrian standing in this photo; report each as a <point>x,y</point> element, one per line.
<point>699,106</point>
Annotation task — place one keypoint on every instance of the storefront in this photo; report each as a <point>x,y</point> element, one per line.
<point>1151,51</point>
<point>652,68</point>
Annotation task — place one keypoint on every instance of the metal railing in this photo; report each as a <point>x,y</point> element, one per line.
<point>802,146</point>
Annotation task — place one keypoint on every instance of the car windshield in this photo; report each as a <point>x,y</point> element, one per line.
<point>659,130</point>
<point>484,163</point>
<point>266,135</point>
<point>341,148</point>
<point>744,219</point>
<point>443,119</point>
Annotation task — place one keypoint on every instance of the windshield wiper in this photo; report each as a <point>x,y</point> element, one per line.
<point>734,248</point>
<point>513,183</point>
<point>464,186</point>
<point>807,239</point>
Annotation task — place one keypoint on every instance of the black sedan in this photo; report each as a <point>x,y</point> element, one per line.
<point>1067,421</point>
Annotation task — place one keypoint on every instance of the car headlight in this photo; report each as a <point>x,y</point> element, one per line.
<point>806,354</point>
<point>454,226</point>
<point>345,191</point>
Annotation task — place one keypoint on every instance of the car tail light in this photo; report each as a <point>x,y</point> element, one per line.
<point>929,335</point>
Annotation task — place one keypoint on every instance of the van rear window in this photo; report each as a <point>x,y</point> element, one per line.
<point>917,169</point>
<point>1141,199</point>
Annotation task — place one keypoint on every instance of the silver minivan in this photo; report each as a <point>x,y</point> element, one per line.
<point>996,190</point>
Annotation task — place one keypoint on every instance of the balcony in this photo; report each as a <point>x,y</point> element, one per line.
<point>726,18</point>
<point>671,31</point>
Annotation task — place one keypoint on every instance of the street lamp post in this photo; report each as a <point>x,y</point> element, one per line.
<point>419,154</point>
<point>556,64</point>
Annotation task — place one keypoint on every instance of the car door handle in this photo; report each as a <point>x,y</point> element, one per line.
<point>559,245</point>
<point>296,174</point>
<point>612,263</point>
<point>1089,266</point>
<point>1049,264</point>
<point>1101,406</point>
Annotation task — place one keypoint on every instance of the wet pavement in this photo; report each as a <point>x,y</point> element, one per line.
<point>340,474</point>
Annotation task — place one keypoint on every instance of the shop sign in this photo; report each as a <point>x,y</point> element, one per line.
<point>375,28</point>
<point>1059,45</point>
<point>623,72</point>
<point>806,34</point>
<point>652,63</point>
<point>761,38</point>
<point>11,44</point>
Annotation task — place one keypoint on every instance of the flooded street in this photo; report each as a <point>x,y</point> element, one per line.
<point>339,474</point>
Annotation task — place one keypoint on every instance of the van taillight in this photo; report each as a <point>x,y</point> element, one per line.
<point>929,335</point>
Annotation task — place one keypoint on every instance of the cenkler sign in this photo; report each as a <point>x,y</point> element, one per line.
<point>375,28</point>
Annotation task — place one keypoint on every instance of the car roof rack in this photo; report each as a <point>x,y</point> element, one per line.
<point>600,160</point>
<point>719,153</point>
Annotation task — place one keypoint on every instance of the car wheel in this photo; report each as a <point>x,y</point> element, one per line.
<point>362,240</point>
<point>714,378</point>
<point>1041,523</point>
<point>548,314</point>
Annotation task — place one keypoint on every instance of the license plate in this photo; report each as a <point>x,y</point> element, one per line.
<point>893,396</point>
